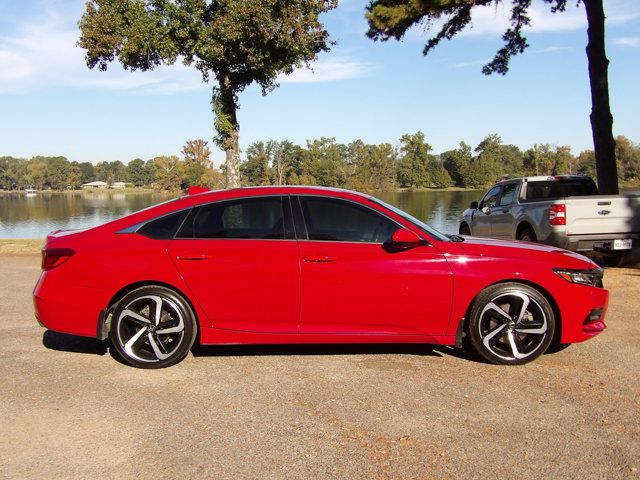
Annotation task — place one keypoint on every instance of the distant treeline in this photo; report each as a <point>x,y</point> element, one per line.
<point>359,166</point>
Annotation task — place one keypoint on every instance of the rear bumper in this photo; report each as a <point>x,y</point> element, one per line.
<point>600,243</point>
<point>67,308</point>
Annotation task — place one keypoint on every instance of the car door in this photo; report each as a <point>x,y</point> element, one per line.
<point>352,282</point>
<point>501,214</point>
<point>239,258</point>
<point>482,219</point>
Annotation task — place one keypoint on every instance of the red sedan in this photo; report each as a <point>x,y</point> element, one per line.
<point>272,265</point>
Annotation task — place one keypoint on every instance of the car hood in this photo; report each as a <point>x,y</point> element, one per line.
<point>491,247</point>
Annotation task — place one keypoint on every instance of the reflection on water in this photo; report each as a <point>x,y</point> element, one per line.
<point>33,216</point>
<point>440,209</point>
<point>23,216</point>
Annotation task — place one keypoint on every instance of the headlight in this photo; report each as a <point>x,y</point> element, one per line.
<point>584,277</point>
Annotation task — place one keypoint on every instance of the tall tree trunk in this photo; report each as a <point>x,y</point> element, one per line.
<point>601,118</point>
<point>225,108</point>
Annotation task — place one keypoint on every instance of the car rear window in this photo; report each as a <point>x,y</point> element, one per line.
<point>551,189</point>
<point>250,218</point>
<point>164,227</point>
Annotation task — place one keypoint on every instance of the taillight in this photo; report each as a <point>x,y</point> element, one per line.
<point>557,215</point>
<point>54,257</point>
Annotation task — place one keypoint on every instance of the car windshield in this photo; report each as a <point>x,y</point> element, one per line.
<point>420,224</point>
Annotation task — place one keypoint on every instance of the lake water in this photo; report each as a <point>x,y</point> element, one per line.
<point>23,216</point>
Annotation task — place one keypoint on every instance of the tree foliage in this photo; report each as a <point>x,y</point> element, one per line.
<point>235,43</point>
<point>392,19</point>
<point>356,165</point>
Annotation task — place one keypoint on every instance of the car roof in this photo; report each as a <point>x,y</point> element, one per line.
<point>280,189</point>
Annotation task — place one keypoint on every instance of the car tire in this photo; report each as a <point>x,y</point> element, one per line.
<point>510,324</point>
<point>152,327</point>
<point>464,229</point>
<point>527,235</point>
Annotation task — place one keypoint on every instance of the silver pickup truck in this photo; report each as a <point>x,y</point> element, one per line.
<point>565,211</point>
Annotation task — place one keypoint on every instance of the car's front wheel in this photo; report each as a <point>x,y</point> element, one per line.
<point>510,324</point>
<point>152,327</point>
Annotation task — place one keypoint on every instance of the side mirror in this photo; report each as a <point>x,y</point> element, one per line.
<point>486,210</point>
<point>404,239</point>
<point>473,205</point>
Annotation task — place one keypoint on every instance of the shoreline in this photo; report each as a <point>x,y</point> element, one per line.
<point>21,246</point>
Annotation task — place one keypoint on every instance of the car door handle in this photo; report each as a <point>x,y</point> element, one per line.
<point>193,256</point>
<point>320,259</point>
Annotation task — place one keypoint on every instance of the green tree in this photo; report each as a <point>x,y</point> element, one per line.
<point>456,161</point>
<point>235,42</point>
<point>372,166</point>
<point>392,18</point>
<point>255,169</point>
<point>324,163</point>
<point>36,174</point>
<point>167,172</point>
<point>87,170</point>
<point>137,173</point>
<point>196,160</point>
<point>628,157</point>
<point>586,163</point>
<point>415,165</point>
<point>58,169</point>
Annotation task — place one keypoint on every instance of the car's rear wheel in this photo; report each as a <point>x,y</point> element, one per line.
<point>152,327</point>
<point>510,324</point>
<point>464,229</point>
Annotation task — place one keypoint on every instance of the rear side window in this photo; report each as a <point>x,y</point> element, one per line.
<point>508,193</point>
<point>337,220</point>
<point>164,227</point>
<point>552,189</point>
<point>250,218</point>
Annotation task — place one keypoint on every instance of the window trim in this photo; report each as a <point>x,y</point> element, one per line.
<point>286,213</point>
<point>347,200</point>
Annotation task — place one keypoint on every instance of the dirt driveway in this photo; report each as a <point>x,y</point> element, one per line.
<point>69,410</point>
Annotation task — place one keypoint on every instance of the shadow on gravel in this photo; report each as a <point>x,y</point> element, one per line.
<point>72,343</point>
<point>333,349</point>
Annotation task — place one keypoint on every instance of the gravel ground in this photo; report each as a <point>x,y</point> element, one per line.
<point>69,410</point>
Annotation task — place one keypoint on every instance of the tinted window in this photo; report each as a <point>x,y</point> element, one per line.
<point>491,198</point>
<point>550,189</point>
<point>342,221</point>
<point>508,192</point>
<point>163,227</point>
<point>256,218</point>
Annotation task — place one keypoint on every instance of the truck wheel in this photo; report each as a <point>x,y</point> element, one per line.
<point>464,229</point>
<point>527,235</point>
<point>616,260</point>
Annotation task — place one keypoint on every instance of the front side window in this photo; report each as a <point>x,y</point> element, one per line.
<point>491,198</point>
<point>248,218</point>
<point>330,219</point>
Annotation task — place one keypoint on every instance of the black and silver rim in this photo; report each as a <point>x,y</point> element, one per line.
<point>513,326</point>
<point>150,328</point>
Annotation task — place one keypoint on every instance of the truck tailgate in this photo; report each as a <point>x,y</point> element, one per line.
<point>603,214</point>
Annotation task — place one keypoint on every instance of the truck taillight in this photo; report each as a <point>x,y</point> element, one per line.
<point>54,257</point>
<point>557,215</point>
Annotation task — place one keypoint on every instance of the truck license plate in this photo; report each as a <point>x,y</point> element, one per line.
<point>622,244</point>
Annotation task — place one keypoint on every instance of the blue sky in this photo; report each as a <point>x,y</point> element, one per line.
<point>52,104</point>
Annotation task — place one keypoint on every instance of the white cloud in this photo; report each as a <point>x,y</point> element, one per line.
<point>473,63</point>
<point>43,53</point>
<point>327,70</point>
<point>627,41</point>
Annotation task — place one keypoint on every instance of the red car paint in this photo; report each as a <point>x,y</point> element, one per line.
<point>305,291</point>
